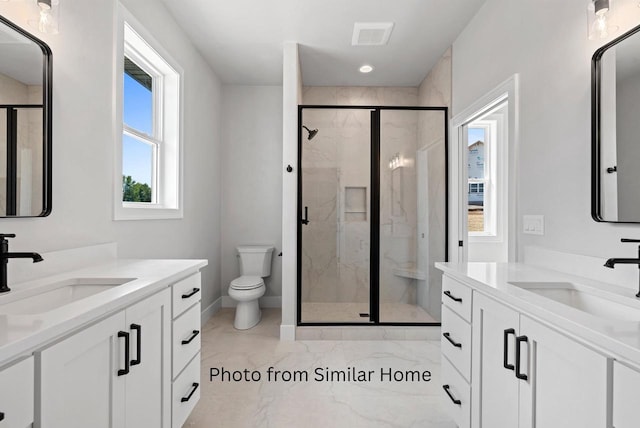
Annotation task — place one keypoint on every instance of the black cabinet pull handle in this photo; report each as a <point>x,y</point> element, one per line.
<point>305,220</point>
<point>138,329</point>
<point>519,340</point>
<point>194,291</point>
<point>193,336</point>
<point>1,416</point>
<point>125,371</point>
<point>452,297</point>
<point>194,387</point>
<point>448,337</point>
<point>455,400</point>
<point>505,344</point>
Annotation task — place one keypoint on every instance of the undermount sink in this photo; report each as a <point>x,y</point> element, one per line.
<point>586,299</point>
<point>53,296</point>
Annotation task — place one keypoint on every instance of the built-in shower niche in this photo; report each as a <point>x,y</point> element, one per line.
<point>355,203</point>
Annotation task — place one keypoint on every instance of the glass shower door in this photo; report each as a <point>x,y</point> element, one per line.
<point>335,242</point>
<point>413,179</point>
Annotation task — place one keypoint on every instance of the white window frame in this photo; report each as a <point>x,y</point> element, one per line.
<point>135,42</point>
<point>491,204</point>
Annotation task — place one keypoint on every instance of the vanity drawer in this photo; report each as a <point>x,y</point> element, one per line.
<point>456,388</point>
<point>186,293</point>
<point>17,394</point>
<point>456,341</point>
<point>456,296</point>
<point>186,392</point>
<point>186,338</point>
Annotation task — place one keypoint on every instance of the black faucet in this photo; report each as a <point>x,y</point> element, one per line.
<point>5,255</point>
<point>612,262</point>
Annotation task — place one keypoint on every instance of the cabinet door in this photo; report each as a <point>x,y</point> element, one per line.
<point>148,384</point>
<point>79,385</point>
<point>626,397</point>
<point>566,383</point>
<point>494,400</point>
<point>16,395</point>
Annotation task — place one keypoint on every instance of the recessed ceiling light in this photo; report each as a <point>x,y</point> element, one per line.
<point>366,68</point>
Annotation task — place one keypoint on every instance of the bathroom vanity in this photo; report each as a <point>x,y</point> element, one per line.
<point>529,347</point>
<point>113,345</point>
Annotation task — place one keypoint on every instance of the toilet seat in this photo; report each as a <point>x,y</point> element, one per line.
<point>247,283</point>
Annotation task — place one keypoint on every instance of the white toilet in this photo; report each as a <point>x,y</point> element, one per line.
<point>255,264</point>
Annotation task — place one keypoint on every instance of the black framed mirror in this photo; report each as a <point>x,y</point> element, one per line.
<point>615,128</point>
<point>25,123</point>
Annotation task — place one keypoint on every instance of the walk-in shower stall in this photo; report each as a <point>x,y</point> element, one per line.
<point>372,205</point>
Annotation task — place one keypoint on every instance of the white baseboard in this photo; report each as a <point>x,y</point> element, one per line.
<point>287,332</point>
<point>265,302</point>
<point>210,310</point>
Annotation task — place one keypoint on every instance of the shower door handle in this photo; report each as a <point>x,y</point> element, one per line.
<point>305,220</point>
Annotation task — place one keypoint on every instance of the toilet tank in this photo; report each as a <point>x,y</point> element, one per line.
<point>255,260</point>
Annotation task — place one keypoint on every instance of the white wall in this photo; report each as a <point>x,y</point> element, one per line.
<point>252,177</point>
<point>546,42</point>
<point>84,141</point>
<point>291,98</point>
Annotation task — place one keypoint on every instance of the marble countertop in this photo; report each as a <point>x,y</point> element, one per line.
<point>618,338</point>
<point>21,334</point>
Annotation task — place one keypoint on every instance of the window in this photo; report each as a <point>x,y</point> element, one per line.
<point>476,187</point>
<point>484,159</point>
<point>140,139</point>
<point>147,181</point>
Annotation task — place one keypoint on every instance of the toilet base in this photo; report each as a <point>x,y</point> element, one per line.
<point>248,314</point>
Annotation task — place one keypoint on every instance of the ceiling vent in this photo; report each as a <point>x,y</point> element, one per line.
<point>371,33</point>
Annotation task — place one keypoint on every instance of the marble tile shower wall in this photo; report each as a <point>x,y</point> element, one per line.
<point>336,174</point>
<point>398,205</point>
<point>435,90</point>
<point>431,209</point>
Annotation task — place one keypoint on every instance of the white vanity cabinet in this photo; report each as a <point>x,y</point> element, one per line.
<point>16,395</point>
<point>185,348</point>
<point>528,375</point>
<point>456,350</point>
<point>114,373</point>
<point>626,396</point>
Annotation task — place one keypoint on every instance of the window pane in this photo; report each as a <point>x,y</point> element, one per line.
<point>476,170</point>
<point>476,142</point>
<point>137,170</point>
<point>138,98</point>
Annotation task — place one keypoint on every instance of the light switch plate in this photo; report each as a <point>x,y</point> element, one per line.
<point>533,224</point>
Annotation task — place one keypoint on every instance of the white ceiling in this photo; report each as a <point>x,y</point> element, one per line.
<point>242,39</point>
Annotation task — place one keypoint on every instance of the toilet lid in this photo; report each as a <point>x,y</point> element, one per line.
<point>246,282</point>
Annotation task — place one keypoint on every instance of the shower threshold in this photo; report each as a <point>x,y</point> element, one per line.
<point>391,313</point>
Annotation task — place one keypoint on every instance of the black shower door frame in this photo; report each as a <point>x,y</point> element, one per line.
<point>374,256</point>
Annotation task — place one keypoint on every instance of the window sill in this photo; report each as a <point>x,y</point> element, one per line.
<point>485,238</point>
<point>147,213</point>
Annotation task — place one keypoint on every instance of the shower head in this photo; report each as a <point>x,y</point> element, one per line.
<point>312,132</point>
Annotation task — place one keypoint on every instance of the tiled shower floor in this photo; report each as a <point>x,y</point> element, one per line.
<point>311,404</point>
<point>350,312</point>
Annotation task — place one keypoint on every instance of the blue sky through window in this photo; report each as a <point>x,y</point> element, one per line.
<point>137,156</point>
<point>475,135</point>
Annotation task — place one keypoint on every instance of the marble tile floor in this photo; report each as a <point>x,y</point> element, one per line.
<point>370,402</point>
<point>350,312</point>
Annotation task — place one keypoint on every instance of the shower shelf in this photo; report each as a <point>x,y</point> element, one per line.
<point>410,273</point>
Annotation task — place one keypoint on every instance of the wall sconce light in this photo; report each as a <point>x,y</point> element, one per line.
<point>599,18</point>
<point>47,16</point>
